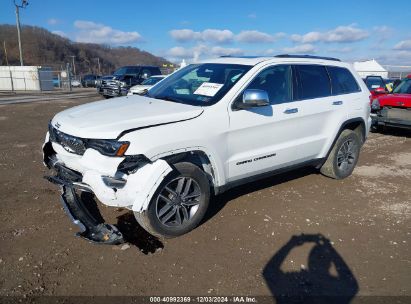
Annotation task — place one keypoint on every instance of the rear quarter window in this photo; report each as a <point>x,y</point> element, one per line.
<point>342,81</point>
<point>314,81</point>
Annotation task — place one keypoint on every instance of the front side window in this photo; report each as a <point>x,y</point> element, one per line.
<point>314,81</point>
<point>404,87</point>
<point>277,82</point>
<point>199,84</point>
<point>342,81</point>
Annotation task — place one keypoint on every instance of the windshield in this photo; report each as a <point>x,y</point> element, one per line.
<point>120,71</point>
<point>404,87</point>
<point>151,81</point>
<point>199,84</point>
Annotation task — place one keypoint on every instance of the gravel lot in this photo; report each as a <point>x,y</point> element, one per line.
<point>250,244</point>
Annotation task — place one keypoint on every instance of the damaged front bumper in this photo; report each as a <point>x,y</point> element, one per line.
<point>82,176</point>
<point>392,117</point>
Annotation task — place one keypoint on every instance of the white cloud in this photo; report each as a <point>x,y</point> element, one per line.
<point>342,50</point>
<point>220,36</point>
<point>200,51</point>
<point>382,32</point>
<point>180,52</point>
<point>53,21</point>
<point>60,33</point>
<point>185,35</point>
<point>404,45</point>
<point>223,36</point>
<point>302,48</point>
<point>258,37</point>
<point>340,34</point>
<point>99,33</point>
<point>398,58</point>
<point>252,16</point>
<point>220,51</point>
<point>208,35</point>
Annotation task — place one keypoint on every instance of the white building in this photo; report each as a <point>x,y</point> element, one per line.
<point>25,78</point>
<point>370,68</point>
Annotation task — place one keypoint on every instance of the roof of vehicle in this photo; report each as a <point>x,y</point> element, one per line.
<point>253,60</point>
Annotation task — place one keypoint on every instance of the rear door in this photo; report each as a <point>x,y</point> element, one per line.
<point>346,89</point>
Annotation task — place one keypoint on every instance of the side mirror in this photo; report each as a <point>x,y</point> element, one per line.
<point>254,98</point>
<point>144,76</point>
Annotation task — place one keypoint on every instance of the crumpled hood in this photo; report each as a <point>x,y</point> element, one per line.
<point>106,119</point>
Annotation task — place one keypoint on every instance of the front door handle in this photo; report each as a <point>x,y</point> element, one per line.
<point>291,111</point>
<point>337,103</point>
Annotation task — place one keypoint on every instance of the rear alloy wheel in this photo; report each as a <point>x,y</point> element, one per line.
<point>179,204</point>
<point>343,157</point>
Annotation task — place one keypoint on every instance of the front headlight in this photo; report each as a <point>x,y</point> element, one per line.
<point>109,147</point>
<point>375,105</point>
<point>122,83</point>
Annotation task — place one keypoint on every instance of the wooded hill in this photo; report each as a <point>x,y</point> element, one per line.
<point>41,47</point>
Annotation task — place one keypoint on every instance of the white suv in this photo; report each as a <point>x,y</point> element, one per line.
<point>202,130</point>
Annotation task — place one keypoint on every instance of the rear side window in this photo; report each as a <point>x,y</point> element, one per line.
<point>342,81</point>
<point>314,81</point>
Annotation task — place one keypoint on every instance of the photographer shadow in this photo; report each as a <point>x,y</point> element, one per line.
<point>315,284</point>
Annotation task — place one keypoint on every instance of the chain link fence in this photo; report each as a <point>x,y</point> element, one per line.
<point>36,78</point>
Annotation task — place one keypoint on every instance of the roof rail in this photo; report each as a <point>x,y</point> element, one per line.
<point>306,56</point>
<point>284,56</point>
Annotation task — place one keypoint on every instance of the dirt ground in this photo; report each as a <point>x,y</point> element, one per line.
<point>250,244</point>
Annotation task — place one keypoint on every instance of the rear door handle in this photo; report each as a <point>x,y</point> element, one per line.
<point>291,111</point>
<point>337,103</point>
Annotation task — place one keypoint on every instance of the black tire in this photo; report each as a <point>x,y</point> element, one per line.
<point>343,157</point>
<point>150,218</point>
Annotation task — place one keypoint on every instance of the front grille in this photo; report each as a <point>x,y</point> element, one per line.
<point>70,143</point>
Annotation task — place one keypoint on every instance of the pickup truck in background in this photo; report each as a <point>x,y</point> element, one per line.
<point>124,78</point>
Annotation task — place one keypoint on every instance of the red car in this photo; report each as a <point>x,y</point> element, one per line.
<point>393,109</point>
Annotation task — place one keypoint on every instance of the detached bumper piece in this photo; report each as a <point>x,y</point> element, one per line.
<point>92,227</point>
<point>79,205</point>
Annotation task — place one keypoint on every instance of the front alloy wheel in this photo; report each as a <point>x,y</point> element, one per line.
<point>179,204</point>
<point>178,201</point>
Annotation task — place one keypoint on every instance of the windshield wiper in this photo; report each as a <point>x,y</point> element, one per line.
<point>169,98</point>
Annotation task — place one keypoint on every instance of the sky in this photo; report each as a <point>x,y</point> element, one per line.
<point>351,30</point>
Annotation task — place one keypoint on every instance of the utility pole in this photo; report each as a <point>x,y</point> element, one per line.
<point>74,65</point>
<point>98,64</point>
<point>23,4</point>
<point>5,52</point>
